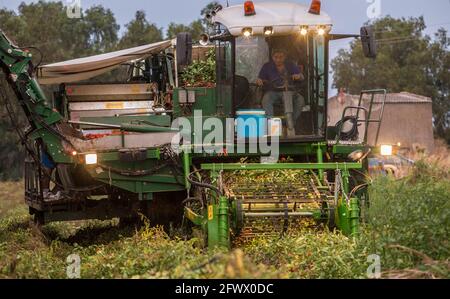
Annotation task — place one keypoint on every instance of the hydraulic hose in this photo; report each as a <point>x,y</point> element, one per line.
<point>351,134</point>
<point>205,185</point>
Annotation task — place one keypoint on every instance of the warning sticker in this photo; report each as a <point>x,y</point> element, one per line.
<point>210,212</point>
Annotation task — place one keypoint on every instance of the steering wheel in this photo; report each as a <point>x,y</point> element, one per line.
<point>288,84</point>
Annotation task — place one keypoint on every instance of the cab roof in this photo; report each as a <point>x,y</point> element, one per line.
<point>284,17</point>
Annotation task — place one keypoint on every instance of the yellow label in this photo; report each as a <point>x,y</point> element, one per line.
<point>135,89</point>
<point>114,105</point>
<point>210,212</point>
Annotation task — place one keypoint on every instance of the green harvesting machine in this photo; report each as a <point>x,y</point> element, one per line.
<point>235,157</point>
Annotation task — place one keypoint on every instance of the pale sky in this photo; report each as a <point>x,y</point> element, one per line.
<point>348,15</point>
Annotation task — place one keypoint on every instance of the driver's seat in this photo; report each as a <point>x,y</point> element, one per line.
<point>241,90</point>
<point>245,94</point>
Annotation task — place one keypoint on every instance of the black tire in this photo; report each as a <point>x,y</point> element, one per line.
<point>130,221</point>
<point>39,219</point>
<point>332,219</point>
<point>165,209</point>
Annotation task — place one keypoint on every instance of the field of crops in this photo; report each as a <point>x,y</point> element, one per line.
<point>408,228</point>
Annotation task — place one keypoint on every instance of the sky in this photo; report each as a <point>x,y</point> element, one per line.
<point>347,15</point>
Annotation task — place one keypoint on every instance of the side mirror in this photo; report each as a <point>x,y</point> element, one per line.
<point>368,42</point>
<point>204,39</point>
<point>184,50</point>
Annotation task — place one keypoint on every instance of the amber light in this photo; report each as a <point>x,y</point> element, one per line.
<point>315,7</point>
<point>249,8</point>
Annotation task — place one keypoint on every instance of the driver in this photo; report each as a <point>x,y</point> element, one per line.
<point>272,77</point>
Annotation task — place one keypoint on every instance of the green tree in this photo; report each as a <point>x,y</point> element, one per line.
<point>195,28</point>
<point>205,11</point>
<point>140,32</point>
<point>102,29</point>
<point>12,153</point>
<point>45,25</point>
<point>408,60</point>
<point>439,73</point>
<point>173,29</point>
<point>11,24</point>
<point>208,8</point>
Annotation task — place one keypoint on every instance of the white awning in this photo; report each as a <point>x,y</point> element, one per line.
<point>88,67</point>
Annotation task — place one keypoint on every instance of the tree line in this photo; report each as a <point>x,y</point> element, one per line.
<point>46,26</point>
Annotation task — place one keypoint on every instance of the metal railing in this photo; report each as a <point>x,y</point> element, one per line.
<point>368,113</point>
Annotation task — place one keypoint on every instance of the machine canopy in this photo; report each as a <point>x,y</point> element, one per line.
<point>88,67</point>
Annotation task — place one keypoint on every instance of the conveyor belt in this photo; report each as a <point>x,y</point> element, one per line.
<point>274,202</point>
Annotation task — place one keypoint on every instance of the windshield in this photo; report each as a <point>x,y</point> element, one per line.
<point>251,55</point>
<point>284,76</point>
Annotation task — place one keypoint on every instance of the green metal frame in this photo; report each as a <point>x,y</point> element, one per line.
<point>17,65</point>
<point>346,213</point>
<point>256,166</point>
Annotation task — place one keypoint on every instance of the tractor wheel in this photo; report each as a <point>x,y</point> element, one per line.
<point>331,218</point>
<point>165,209</point>
<point>39,219</point>
<point>130,221</point>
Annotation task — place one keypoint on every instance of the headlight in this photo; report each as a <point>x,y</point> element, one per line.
<point>247,32</point>
<point>321,31</point>
<point>304,30</point>
<point>268,30</point>
<point>90,159</point>
<point>386,150</point>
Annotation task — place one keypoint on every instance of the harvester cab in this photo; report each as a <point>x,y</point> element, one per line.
<point>278,55</point>
<point>272,59</point>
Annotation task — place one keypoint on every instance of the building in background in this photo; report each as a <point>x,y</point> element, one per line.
<point>407,119</point>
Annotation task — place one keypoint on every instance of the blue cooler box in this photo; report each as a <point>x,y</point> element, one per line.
<point>251,123</point>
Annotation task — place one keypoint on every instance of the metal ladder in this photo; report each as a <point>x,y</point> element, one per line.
<point>368,113</point>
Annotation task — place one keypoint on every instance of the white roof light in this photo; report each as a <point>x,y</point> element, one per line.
<point>247,32</point>
<point>268,30</point>
<point>304,30</point>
